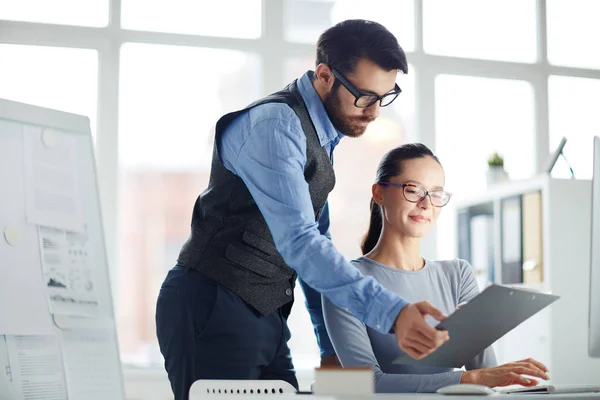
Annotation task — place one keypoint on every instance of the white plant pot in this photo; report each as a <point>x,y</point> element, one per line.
<point>496,174</point>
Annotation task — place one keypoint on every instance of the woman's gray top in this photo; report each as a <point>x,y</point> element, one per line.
<point>445,284</point>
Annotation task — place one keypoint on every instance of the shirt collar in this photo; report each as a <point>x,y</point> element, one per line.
<point>325,129</point>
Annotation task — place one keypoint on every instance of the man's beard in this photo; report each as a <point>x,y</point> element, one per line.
<point>348,126</point>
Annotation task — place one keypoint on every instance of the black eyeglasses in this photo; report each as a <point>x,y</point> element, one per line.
<point>367,99</point>
<point>415,194</point>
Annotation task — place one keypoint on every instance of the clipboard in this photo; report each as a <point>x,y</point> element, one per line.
<point>478,324</point>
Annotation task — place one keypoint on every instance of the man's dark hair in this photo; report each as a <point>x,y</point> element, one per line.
<point>342,45</point>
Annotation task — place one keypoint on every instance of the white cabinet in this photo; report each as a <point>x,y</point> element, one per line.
<point>544,247</point>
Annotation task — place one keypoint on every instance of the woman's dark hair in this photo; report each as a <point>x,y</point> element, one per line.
<point>390,166</point>
<point>342,45</point>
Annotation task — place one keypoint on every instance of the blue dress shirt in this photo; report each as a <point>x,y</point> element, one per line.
<point>266,148</point>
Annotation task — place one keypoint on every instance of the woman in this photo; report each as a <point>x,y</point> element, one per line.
<point>408,196</point>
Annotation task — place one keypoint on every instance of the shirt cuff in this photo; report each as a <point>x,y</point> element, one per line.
<point>384,311</point>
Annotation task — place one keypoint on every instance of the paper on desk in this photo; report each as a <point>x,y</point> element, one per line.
<point>6,386</point>
<point>23,309</point>
<point>68,272</point>
<point>92,365</point>
<point>52,192</point>
<point>36,367</point>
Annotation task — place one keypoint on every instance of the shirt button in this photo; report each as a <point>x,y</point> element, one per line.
<point>378,326</point>
<point>288,292</point>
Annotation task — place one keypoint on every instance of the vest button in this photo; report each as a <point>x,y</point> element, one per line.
<point>288,292</point>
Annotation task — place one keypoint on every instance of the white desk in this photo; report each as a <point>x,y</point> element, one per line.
<point>433,396</point>
<point>400,396</point>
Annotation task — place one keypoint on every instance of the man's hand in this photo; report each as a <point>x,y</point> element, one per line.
<point>415,337</point>
<point>507,374</point>
<point>330,361</point>
<point>458,307</point>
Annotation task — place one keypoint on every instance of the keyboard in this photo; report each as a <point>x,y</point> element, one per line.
<point>552,389</point>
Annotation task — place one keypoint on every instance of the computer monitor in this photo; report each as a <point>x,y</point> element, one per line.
<point>594,318</point>
<point>554,157</point>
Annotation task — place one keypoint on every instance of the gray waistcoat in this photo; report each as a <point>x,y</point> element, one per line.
<point>230,241</point>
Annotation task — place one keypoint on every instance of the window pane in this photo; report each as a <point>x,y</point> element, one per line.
<point>294,68</point>
<point>212,18</point>
<point>64,12</point>
<point>59,78</point>
<point>496,30</point>
<point>307,19</point>
<point>573,107</point>
<point>573,33</point>
<point>170,100</point>
<point>475,117</point>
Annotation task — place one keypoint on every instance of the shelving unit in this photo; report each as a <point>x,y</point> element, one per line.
<point>558,335</point>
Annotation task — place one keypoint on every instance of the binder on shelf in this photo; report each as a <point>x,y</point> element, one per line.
<point>533,265</point>
<point>464,236</point>
<point>482,248</point>
<point>511,240</point>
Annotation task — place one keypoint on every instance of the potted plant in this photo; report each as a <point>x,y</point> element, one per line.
<point>496,172</point>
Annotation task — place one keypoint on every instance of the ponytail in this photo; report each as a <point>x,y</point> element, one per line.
<point>375,226</point>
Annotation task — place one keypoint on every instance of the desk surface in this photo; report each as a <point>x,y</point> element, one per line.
<point>433,396</point>
<point>401,396</point>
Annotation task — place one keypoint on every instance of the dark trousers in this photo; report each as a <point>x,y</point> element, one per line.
<point>205,331</point>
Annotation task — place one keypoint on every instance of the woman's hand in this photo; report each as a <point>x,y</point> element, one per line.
<point>507,374</point>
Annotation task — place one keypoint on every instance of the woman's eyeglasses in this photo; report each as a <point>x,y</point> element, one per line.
<point>415,194</point>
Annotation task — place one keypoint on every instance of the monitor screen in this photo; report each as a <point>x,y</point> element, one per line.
<point>555,155</point>
<point>594,318</point>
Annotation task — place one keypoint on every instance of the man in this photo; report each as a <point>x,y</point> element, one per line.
<point>222,311</point>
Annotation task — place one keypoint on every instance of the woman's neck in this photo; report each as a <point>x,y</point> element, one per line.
<point>398,252</point>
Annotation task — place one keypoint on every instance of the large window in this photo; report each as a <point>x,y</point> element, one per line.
<point>474,118</point>
<point>305,20</point>
<point>67,12</point>
<point>53,77</point>
<point>495,30</point>
<point>573,32</point>
<point>214,18</point>
<point>574,105</point>
<point>170,100</point>
<point>154,76</point>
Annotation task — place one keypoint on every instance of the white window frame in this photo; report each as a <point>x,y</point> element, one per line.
<point>274,51</point>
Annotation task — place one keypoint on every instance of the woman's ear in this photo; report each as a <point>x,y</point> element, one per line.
<point>377,192</point>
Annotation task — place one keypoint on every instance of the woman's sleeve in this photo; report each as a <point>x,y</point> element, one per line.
<point>353,347</point>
